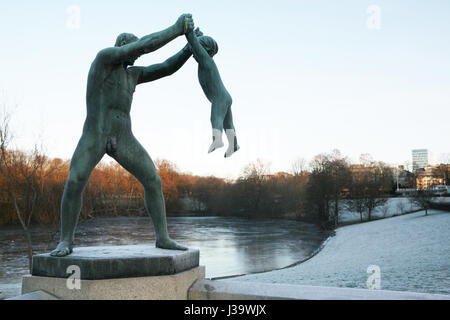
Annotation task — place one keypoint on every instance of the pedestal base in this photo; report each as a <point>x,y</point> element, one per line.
<point>168,287</point>
<point>113,262</point>
<point>116,272</point>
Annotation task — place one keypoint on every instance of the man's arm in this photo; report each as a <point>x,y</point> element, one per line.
<point>168,67</point>
<point>199,52</point>
<point>146,44</point>
<point>164,69</point>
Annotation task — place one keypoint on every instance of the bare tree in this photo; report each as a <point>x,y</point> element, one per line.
<point>340,178</point>
<point>251,183</point>
<point>318,191</point>
<point>369,185</point>
<point>330,175</point>
<point>384,210</point>
<point>378,183</point>
<point>357,201</point>
<point>366,159</point>
<point>299,166</point>
<point>23,174</point>
<point>422,198</point>
<point>408,165</point>
<point>400,206</point>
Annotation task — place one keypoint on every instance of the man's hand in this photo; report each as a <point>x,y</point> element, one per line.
<point>185,23</point>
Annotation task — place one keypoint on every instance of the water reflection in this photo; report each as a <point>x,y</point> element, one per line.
<point>240,246</point>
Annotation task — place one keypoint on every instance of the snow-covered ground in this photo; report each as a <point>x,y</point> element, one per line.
<point>442,200</point>
<point>393,207</point>
<point>412,252</point>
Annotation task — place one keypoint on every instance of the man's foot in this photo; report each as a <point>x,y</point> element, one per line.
<point>217,140</point>
<point>63,249</point>
<point>170,245</point>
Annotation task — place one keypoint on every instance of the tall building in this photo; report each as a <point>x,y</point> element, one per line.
<point>419,158</point>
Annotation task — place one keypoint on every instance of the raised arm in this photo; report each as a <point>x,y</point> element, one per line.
<point>146,44</point>
<point>200,54</point>
<point>168,67</point>
<point>164,69</point>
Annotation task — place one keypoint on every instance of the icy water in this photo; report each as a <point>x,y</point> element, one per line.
<point>228,245</point>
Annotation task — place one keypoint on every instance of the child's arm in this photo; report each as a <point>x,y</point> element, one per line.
<point>197,49</point>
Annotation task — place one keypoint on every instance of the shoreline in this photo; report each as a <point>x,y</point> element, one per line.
<point>411,251</point>
<point>322,245</point>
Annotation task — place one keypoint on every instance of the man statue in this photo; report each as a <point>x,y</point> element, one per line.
<point>107,128</point>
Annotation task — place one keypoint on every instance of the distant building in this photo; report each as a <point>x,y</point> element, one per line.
<point>359,169</point>
<point>280,174</point>
<point>419,159</point>
<point>363,173</point>
<point>431,176</point>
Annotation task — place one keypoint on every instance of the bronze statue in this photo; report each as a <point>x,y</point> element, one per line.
<point>111,83</point>
<point>203,49</point>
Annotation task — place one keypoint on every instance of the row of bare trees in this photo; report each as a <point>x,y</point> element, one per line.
<point>31,186</point>
<point>333,185</point>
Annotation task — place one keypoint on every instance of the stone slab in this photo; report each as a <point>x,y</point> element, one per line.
<point>115,262</point>
<point>168,287</point>
<point>35,295</point>
<point>237,290</point>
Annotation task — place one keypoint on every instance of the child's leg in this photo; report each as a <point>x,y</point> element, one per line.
<point>230,133</point>
<point>228,120</point>
<point>218,111</point>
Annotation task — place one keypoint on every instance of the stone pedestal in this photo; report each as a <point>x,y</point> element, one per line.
<point>116,272</point>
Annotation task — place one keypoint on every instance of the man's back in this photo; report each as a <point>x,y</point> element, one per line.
<point>109,93</point>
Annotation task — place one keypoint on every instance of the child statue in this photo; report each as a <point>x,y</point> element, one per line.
<point>204,48</point>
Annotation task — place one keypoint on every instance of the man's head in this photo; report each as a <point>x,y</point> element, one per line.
<point>124,39</point>
<point>209,44</point>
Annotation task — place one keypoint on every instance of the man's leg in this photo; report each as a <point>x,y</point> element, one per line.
<point>230,133</point>
<point>88,153</point>
<point>133,157</point>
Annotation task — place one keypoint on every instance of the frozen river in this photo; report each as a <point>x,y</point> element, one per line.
<point>228,245</point>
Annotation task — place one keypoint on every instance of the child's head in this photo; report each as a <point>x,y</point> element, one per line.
<point>209,44</point>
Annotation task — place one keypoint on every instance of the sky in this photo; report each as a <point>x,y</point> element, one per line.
<point>306,77</point>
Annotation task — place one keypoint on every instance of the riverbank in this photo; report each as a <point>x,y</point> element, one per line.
<point>412,252</point>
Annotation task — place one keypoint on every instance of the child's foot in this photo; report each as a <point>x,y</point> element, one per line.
<point>217,140</point>
<point>231,150</point>
<point>232,142</point>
